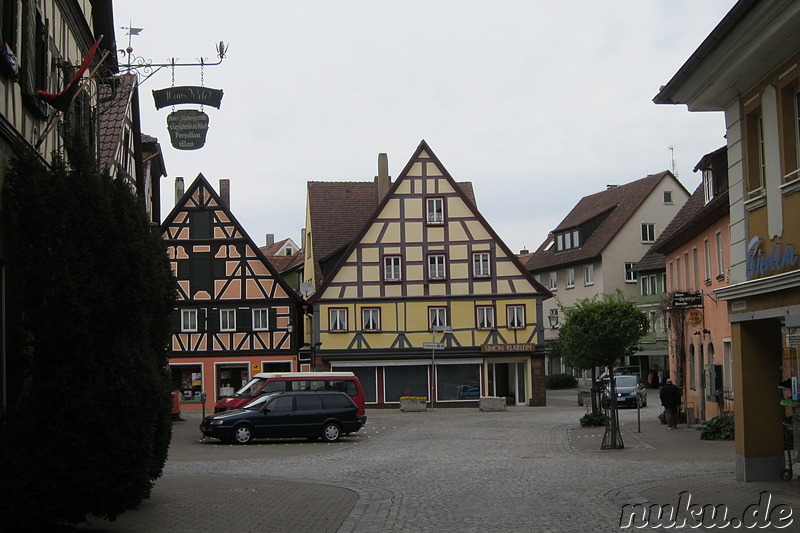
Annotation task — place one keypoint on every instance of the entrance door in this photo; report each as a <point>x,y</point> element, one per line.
<point>507,380</point>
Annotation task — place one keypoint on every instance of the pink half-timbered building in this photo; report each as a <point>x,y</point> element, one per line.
<point>235,315</point>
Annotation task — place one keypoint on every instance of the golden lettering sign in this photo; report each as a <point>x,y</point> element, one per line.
<point>508,348</point>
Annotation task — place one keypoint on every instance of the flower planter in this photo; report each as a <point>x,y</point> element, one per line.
<point>413,404</point>
<point>492,403</point>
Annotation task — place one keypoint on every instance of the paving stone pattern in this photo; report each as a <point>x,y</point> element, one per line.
<point>460,470</point>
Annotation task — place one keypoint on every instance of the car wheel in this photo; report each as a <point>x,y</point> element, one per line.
<point>331,432</point>
<point>242,434</point>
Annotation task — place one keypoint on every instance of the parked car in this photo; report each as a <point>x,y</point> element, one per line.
<point>630,392</point>
<point>585,394</point>
<point>309,414</point>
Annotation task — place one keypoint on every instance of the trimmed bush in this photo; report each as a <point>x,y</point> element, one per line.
<point>90,293</point>
<point>561,381</point>
<point>593,419</point>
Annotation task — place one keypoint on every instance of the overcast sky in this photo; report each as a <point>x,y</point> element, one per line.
<point>537,103</point>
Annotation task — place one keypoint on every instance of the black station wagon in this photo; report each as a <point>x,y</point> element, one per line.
<point>313,415</point>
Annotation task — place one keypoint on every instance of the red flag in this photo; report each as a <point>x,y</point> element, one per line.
<point>63,100</point>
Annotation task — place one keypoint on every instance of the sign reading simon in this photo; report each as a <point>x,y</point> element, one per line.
<point>187,129</point>
<point>187,95</point>
<point>505,348</point>
<point>687,299</point>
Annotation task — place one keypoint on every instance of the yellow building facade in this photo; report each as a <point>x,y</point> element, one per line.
<point>428,301</point>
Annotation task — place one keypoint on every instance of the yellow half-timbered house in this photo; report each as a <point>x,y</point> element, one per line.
<point>235,315</point>
<point>428,301</point>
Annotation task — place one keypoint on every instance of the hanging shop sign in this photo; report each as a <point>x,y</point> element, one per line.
<point>187,129</point>
<point>780,258</point>
<point>187,95</point>
<point>687,299</point>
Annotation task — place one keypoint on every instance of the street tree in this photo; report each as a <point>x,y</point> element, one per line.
<point>87,423</point>
<point>601,332</point>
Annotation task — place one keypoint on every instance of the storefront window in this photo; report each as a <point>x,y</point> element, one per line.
<point>405,381</point>
<point>188,379</point>
<point>231,378</point>
<point>366,375</point>
<point>458,382</point>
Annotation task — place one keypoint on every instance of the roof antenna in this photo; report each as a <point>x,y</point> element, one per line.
<point>674,165</point>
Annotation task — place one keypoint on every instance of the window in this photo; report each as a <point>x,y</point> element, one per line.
<point>649,285</point>
<point>671,276</point>
<point>588,274</point>
<point>516,316</point>
<point>667,197</point>
<point>707,249</point>
<point>435,210</point>
<point>630,275</point>
<point>754,147</point>
<point>260,319</point>
<point>696,269</point>
<point>480,265</point>
<point>677,280</point>
<point>485,317</point>
<point>189,320</point>
<point>720,256</point>
<point>227,320</point>
<point>686,271</point>
<point>371,318</point>
<point>8,18</point>
<point>553,281</point>
<point>338,320</point>
<point>392,268</point>
<point>568,240</point>
<point>648,232</point>
<point>708,185</point>
<point>436,267</point>
<point>437,316</point>
<point>570,278</point>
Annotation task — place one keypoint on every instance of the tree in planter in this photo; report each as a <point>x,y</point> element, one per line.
<point>601,332</point>
<point>90,292</point>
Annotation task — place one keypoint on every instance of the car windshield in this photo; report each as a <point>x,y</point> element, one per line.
<point>258,402</point>
<point>249,390</point>
<point>626,381</point>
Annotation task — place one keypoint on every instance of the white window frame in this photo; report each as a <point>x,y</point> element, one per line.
<point>227,319</point>
<point>371,318</point>
<point>707,250</point>
<point>720,255</point>
<point>570,278</point>
<point>188,320</point>
<point>337,319</point>
<point>261,319</point>
<point>436,266</point>
<point>437,316</point>
<point>481,264</point>
<point>588,274</point>
<point>484,317</point>
<point>553,280</point>
<point>434,210</point>
<point>630,274</point>
<point>392,268</point>
<point>516,316</point>
<point>648,232</point>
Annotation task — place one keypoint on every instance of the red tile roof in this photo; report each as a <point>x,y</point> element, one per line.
<point>113,105</point>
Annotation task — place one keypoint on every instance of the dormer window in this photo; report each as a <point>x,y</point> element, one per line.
<point>708,185</point>
<point>435,210</point>
<point>567,240</point>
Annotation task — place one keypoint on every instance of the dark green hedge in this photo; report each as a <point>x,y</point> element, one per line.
<point>561,381</point>
<point>88,318</point>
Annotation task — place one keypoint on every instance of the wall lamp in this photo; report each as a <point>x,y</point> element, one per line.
<point>553,321</point>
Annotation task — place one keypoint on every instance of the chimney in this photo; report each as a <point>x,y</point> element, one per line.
<point>225,191</point>
<point>382,181</point>
<point>270,239</point>
<point>608,187</point>
<point>178,189</point>
<point>524,251</point>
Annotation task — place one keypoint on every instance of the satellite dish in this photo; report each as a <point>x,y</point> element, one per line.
<point>306,288</point>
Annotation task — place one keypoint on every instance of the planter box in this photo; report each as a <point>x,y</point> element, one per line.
<point>492,403</point>
<point>413,405</point>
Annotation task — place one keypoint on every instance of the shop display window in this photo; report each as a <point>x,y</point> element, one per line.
<point>405,381</point>
<point>188,379</point>
<point>230,378</point>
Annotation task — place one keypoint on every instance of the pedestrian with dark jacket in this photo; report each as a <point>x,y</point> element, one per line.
<point>671,399</point>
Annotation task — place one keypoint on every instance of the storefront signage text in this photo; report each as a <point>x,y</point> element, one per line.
<point>779,258</point>
<point>687,299</point>
<point>504,348</point>
<point>187,129</point>
<point>187,95</point>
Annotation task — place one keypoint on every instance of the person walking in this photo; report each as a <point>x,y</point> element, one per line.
<point>670,398</point>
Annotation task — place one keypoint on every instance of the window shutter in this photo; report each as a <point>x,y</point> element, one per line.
<point>183,269</point>
<point>202,324</point>
<point>176,320</point>
<point>244,319</point>
<point>273,323</point>
<point>213,320</point>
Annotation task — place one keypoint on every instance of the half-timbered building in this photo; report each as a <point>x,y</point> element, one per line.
<point>427,300</point>
<point>235,316</point>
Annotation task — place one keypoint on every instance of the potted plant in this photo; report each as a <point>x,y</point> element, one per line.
<point>413,403</point>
